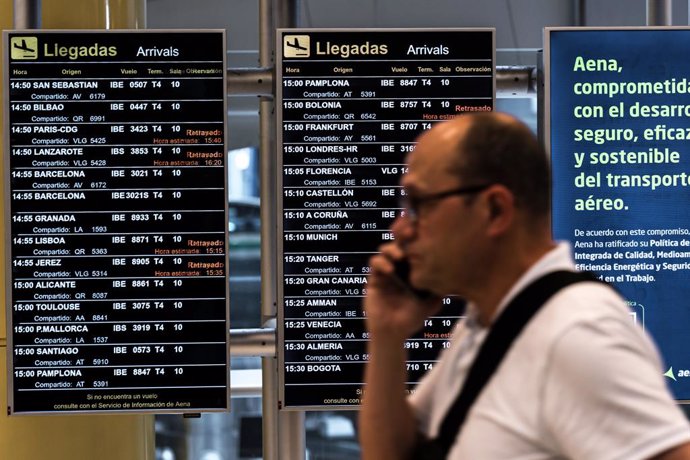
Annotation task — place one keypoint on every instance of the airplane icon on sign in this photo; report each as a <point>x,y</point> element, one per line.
<point>24,47</point>
<point>296,46</point>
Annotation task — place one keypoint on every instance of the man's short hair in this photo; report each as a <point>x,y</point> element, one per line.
<point>500,149</point>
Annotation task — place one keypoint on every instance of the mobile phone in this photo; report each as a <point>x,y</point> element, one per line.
<point>402,272</point>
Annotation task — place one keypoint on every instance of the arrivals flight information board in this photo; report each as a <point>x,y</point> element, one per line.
<point>350,104</point>
<point>116,221</point>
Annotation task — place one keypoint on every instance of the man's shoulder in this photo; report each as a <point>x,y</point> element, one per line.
<point>591,321</point>
<point>579,317</point>
<point>581,303</point>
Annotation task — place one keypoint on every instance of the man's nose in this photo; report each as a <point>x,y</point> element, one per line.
<point>402,228</point>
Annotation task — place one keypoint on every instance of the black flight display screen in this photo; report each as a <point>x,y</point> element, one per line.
<point>116,221</point>
<point>350,104</point>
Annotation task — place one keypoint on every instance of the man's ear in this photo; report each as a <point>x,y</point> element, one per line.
<point>500,207</point>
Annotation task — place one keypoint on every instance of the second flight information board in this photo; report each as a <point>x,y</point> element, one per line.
<point>117,221</point>
<point>350,104</point>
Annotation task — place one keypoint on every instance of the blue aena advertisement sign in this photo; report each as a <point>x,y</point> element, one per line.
<point>619,136</point>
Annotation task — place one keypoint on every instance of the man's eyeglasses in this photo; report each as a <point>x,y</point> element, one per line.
<point>412,204</point>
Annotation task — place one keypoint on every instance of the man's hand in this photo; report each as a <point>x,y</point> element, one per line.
<point>392,309</point>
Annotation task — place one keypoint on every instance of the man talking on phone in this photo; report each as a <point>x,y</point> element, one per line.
<point>565,374</point>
